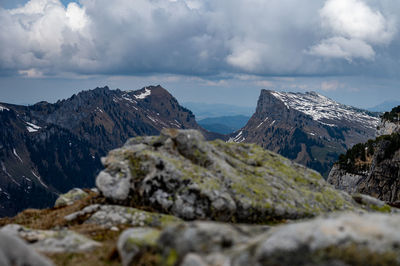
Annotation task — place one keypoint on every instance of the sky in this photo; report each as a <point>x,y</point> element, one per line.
<point>212,51</point>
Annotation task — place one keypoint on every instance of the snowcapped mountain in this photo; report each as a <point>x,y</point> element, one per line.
<point>306,127</point>
<point>46,149</point>
<point>325,110</point>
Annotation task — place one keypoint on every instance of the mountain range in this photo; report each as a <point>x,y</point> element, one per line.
<point>47,149</point>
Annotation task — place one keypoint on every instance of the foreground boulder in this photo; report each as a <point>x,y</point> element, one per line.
<point>181,174</point>
<point>341,239</point>
<point>14,252</point>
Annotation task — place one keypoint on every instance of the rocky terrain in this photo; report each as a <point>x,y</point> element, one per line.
<point>176,199</point>
<point>47,149</point>
<point>373,167</point>
<point>306,127</point>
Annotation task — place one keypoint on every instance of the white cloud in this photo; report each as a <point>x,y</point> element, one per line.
<point>331,85</point>
<point>340,47</point>
<point>191,37</point>
<point>31,73</point>
<point>354,19</point>
<point>44,35</point>
<point>354,28</point>
<point>245,57</point>
<point>264,83</point>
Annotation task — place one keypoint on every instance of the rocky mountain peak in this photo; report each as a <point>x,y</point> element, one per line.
<point>306,127</point>
<point>47,148</point>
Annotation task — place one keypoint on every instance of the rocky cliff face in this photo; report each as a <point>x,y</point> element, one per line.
<point>372,168</point>
<point>307,128</point>
<point>159,198</point>
<point>46,149</point>
<point>390,122</point>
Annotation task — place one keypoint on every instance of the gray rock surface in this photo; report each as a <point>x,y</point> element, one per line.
<point>70,197</point>
<point>374,233</point>
<point>208,237</point>
<point>133,241</point>
<point>343,180</point>
<point>380,177</point>
<point>386,127</point>
<point>15,252</point>
<point>114,215</point>
<point>52,241</point>
<point>340,239</point>
<point>181,174</point>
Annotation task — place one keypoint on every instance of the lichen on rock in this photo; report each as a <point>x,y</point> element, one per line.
<point>70,197</point>
<point>134,241</point>
<point>114,215</point>
<point>339,239</point>
<point>180,173</point>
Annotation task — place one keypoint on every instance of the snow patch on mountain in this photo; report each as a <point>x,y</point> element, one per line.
<point>127,98</point>
<point>32,127</point>
<point>39,179</point>
<point>2,108</point>
<point>144,94</point>
<point>16,155</point>
<point>323,109</point>
<point>238,138</point>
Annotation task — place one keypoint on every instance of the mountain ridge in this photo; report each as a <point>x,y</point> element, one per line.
<point>53,147</point>
<point>308,128</point>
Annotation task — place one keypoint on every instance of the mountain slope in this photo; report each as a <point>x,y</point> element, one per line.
<point>37,162</point>
<point>373,167</point>
<point>46,149</point>
<point>306,127</point>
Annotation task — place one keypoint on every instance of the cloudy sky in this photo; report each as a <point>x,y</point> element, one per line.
<point>215,51</point>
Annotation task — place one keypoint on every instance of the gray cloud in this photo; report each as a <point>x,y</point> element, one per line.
<point>200,38</point>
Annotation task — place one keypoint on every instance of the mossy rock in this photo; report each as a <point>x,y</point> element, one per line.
<point>338,239</point>
<point>134,242</point>
<point>70,197</point>
<point>181,174</point>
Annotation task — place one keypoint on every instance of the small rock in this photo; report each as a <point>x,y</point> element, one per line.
<point>114,228</point>
<point>82,213</point>
<point>207,237</point>
<point>70,197</point>
<point>52,241</point>
<point>15,252</point>
<point>192,259</point>
<point>133,241</point>
<point>114,215</point>
<point>372,203</point>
